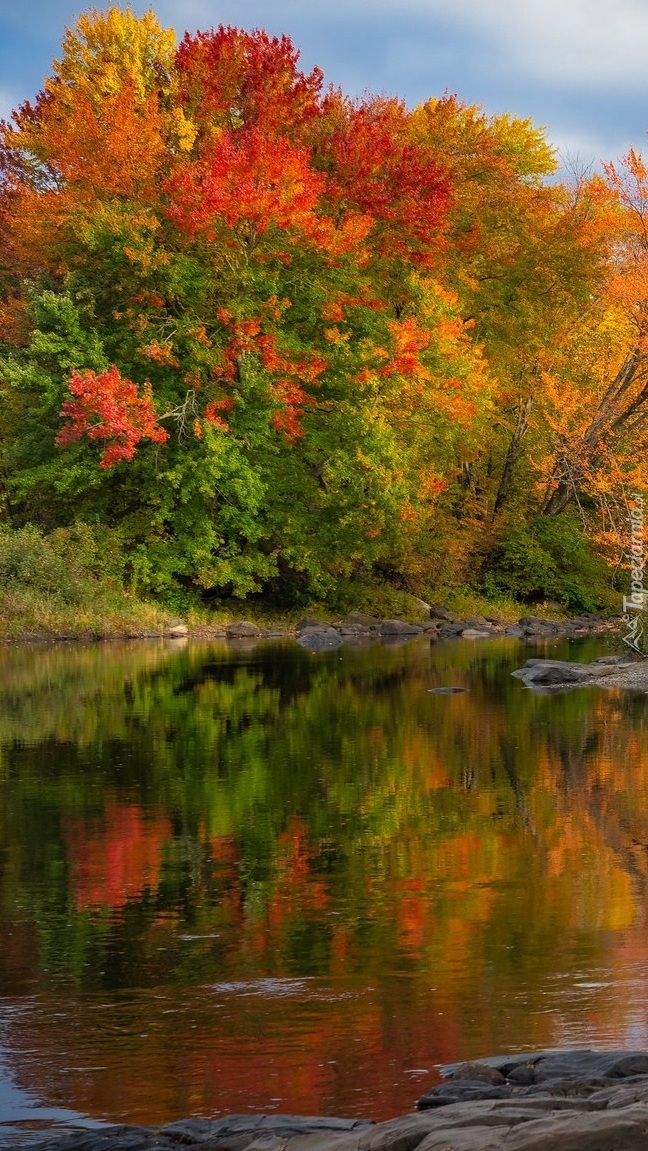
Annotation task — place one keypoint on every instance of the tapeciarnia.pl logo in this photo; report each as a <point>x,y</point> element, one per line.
<point>635,604</point>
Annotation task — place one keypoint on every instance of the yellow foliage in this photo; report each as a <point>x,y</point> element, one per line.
<point>104,50</point>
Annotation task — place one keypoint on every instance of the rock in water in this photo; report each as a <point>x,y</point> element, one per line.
<point>319,638</point>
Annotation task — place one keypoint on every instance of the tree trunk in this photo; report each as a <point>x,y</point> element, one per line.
<point>512,454</point>
<point>558,500</point>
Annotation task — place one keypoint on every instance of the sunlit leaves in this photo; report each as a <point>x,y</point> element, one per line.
<point>107,407</point>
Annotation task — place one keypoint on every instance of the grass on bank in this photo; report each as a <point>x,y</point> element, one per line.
<point>52,587</point>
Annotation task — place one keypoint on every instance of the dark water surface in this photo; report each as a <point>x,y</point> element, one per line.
<point>259,879</point>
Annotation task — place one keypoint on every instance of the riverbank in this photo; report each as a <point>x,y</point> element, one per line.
<point>131,620</point>
<point>65,587</point>
<point>543,1101</point>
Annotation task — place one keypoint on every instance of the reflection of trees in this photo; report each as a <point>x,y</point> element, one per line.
<point>175,817</point>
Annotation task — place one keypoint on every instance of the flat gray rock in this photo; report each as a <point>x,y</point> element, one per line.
<point>539,674</point>
<point>320,638</point>
<point>244,629</point>
<point>399,627</point>
<point>447,690</point>
<point>360,619</point>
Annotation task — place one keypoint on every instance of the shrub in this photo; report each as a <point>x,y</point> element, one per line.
<point>548,559</point>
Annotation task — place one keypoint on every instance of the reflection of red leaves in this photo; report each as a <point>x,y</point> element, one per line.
<point>114,858</point>
<point>109,407</point>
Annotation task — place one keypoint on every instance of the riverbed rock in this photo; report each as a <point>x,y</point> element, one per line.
<point>244,630</point>
<point>480,1072</point>
<point>399,627</point>
<point>361,619</point>
<point>447,690</point>
<point>176,629</point>
<point>321,638</point>
<point>552,673</point>
<point>537,626</point>
<point>453,630</point>
<point>582,1100</point>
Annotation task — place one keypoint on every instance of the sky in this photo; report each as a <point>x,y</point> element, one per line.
<point>577,68</point>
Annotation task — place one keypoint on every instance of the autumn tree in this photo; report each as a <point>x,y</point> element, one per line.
<point>255,262</point>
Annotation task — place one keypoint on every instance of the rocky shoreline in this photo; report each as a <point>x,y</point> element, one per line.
<point>318,635</point>
<point>555,1100</point>
<point>436,622</point>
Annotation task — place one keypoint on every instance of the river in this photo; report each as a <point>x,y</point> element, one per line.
<point>239,878</point>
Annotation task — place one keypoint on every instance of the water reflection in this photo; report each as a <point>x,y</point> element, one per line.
<point>264,879</point>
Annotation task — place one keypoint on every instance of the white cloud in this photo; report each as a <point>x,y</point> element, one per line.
<point>601,42</point>
<point>576,42</point>
<point>576,66</point>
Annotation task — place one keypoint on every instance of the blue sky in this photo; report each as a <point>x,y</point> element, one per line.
<point>579,68</point>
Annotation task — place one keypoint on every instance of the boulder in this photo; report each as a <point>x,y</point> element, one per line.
<point>322,638</point>
<point>481,1072</point>
<point>176,630</point>
<point>360,621</point>
<point>535,626</point>
<point>399,627</point>
<point>437,611</point>
<point>243,630</point>
<point>551,674</point>
<point>455,628</point>
<point>556,673</point>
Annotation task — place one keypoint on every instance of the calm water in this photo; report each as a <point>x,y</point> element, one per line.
<point>258,879</point>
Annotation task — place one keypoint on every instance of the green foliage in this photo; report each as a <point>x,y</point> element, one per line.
<point>32,389</point>
<point>28,560</point>
<point>67,582</point>
<point>548,560</point>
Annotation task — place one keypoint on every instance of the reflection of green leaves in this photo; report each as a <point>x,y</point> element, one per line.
<point>286,786</point>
